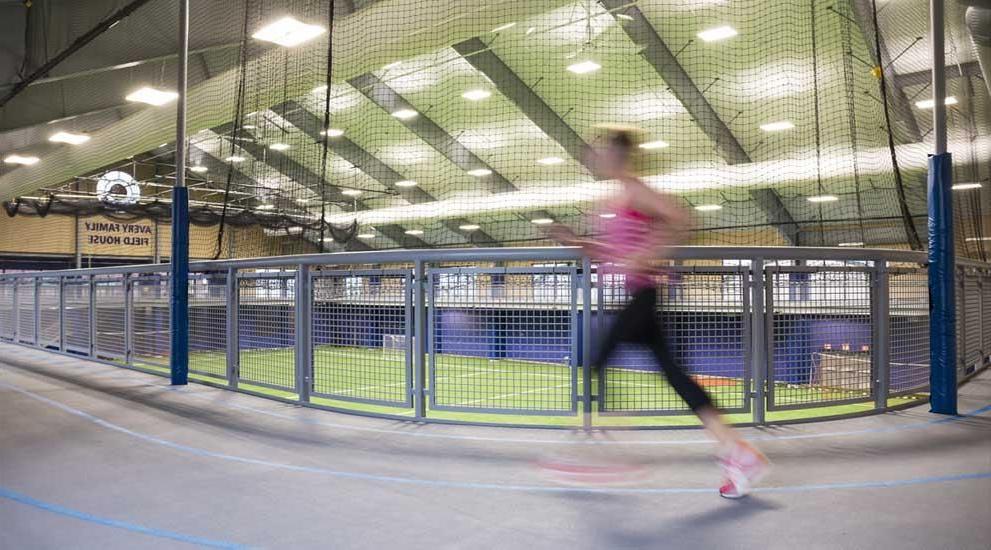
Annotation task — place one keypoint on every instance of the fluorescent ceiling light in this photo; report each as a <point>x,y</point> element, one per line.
<point>266,207</point>
<point>392,65</point>
<point>248,126</point>
<point>413,232</point>
<point>717,33</point>
<point>333,132</point>
<point>469,227</point>
<point>542,221</point>
<point>66,137</point>
<point>26,160</point>
<point>977,239</point>
<point>550,161</point>
<point>351,192</point>
<point>851,244</point>
<point>654,145</point>
<point>823,198</point>
<point>152,96</point>
<point>234,158</point>
<point>404,114</point>
<point>709,207</point>
<point>930,103</point>
<point>584,67</point>
<point>288,32</point>
<point>163,145</point>
<point>966,186</point>
<point>501,28</point>
<point>198,169</point>
<point>279,146</point>
<point>777,126</point>
<point>406,183</point>
<point>366,235</point>
<point>477,95</point>
<point>624,17</point>
<point>531,30</point>
<point>479,172</point>
<point>320,89</point>
<point>607,215</point>
<point>328,239</point>
<point>126,65</point>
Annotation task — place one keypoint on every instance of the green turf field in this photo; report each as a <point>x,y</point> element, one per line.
<point>371,379</point>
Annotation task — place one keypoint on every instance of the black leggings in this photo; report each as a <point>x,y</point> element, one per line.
<point>638,323</point>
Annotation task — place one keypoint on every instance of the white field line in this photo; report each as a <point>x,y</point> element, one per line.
<point>514,394</point>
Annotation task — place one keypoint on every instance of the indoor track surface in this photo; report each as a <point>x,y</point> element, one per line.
<point>93,456</point>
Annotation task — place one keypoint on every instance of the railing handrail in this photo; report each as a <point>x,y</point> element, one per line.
<point>559,253</point>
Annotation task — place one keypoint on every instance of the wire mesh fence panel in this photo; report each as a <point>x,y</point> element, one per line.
<point>908,309</point>
<point>208,318</point>
<point>974,320</point>
<point>503,340</point>
<point>362,338</point>
<point>76,314</point>
<point>7,309</point>
<point>702,315</point>
<point>986,305</point>
<point>110,317</point>
<point>267,329</point>
<point>25,297</point>
<point>820,336</point>
<point>960,306</point>
<point>49,327</point>
<point>151,335</point>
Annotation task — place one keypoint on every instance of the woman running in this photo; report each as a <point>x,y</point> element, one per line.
<point>641,224</point>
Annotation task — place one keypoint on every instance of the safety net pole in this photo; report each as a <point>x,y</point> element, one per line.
<point>179,299</point>
<point>942,268</point>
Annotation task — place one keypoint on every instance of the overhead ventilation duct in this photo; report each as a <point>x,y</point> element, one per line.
<point>978,18</point>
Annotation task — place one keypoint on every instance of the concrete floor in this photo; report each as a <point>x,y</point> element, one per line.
<point>92,456</point>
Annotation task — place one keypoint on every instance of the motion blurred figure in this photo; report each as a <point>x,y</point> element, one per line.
<point>640,225</point>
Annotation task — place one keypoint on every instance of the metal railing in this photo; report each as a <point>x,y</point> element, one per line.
<point>507,333</point>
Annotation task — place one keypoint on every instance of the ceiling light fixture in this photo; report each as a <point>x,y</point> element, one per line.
<point>392,65</point>
<point>584,67</point>
<point>328,239</point>
<point>333,132</point>
<point>413,232</point>
<point>607,215</point>
<point>624,17</point>
<point>351,192</point>
<point>476,95</point>
<point>777,126</point>
<point>479,172</point>
<point>709,207</point>
<point>234,158</point>
<point>469,227</point>
<point>288,32</point>
<point>542,221</point>
<point>265,207</point>
<point>966,186</point>
<point>279,146</point>
<point>25,160</point>
<point>366,235</point>
<point>717,33</point>
<point>152,96</point>
<point>654,145</point>
<point>70,138</point>
<point>977,239</point>
<point>550,161</point>
<point>406,183</point>
<point>249,126</point>
<point>404,114</point>
<point>198,169</point>
<point>851,244</point>
<point>930,103</point>
<point>501,28</point>
<point>823,198</point>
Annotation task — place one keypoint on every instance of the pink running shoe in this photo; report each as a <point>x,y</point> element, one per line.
<point>744,466</point>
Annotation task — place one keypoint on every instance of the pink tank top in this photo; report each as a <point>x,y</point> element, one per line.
<point>626,235</point>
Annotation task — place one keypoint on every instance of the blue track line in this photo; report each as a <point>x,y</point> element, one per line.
<point>439,483</point>
<point>133,527</point>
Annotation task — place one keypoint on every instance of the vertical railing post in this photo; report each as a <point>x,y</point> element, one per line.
<point>419,339</point>
<point>759,340</point>
<point>231,305</point>
<point>304,334</point>
<point>91,314</point>
<point>37,311</point>
<point>587,342</point>
<point>128,319</point>
<point>881,333</point>
<point>61,314</point>
<point>15,314</point>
